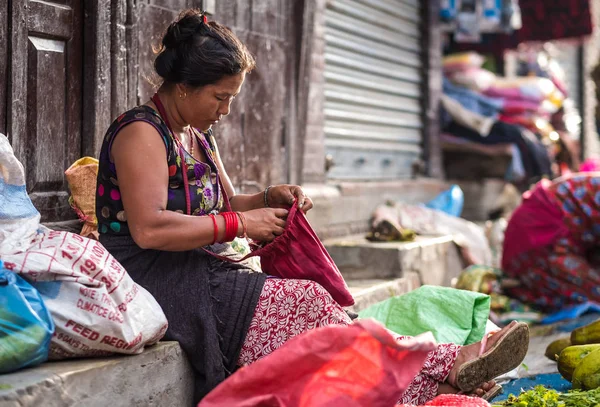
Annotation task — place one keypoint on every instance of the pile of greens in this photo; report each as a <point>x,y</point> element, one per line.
<point>542,397</point>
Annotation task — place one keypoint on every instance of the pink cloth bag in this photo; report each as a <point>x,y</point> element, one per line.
<point>299,254</point>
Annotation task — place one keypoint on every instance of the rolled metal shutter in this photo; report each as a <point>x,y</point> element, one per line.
<point>373,101</point>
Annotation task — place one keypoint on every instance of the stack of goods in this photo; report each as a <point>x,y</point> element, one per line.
<point>482,108</point>
<point>578,356</point>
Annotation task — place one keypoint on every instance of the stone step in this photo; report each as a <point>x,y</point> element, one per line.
<point>371,291</point>
<point>159,377</point>
<point>436,260</point>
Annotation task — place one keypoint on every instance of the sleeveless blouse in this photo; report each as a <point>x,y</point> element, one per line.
<point>203,183</point>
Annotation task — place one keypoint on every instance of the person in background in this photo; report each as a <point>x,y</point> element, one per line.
<point>550,242</point>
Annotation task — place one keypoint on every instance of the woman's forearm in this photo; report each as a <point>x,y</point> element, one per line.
<point>246,202</point>
<point>172,231</point>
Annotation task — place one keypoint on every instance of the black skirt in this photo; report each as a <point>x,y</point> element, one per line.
<point>209,303</point>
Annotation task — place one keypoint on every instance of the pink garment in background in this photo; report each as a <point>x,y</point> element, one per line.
<point>516,106</point>
<point>538,222</point>
<point>513,93</point>
<point>590,165</point>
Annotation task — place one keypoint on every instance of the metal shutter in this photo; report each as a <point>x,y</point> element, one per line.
<point>373,105</point>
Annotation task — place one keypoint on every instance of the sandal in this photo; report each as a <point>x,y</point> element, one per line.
<point>493,392</point>
<point>504,356</point>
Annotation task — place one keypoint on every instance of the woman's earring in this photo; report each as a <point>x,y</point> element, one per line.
<point>183,95</point>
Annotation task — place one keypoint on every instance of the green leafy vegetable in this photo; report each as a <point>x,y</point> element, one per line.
<point>542,397</point>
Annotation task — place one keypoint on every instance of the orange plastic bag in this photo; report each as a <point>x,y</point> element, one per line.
<point>360,365</point>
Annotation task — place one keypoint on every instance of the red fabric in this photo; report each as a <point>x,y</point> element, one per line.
<point>359,365</point>
<point>287,308</point>
<point>538,222</point>
<point>546,20</point>
<point>299,254</point>
<point>448,400</point>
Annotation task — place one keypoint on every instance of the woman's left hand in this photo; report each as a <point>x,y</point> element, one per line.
<point>283,196</point>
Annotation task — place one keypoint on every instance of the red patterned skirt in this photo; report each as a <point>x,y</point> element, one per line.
<point>289,307</point>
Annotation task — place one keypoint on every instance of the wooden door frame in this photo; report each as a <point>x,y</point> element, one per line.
<point>17,79</point>
<point>96,74</point>
<point>4,58</point>
<point>431,89</point>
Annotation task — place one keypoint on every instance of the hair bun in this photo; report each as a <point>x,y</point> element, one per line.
<point>197,53</point>
<point>183,29</point>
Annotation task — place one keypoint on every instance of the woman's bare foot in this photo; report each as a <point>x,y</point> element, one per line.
<point>470,352</point>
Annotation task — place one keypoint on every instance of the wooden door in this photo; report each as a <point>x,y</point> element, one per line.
<point>45,97</point>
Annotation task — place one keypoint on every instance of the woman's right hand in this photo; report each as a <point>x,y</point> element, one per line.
<point>264,225</point>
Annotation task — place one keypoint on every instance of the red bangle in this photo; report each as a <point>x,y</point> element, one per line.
<point>234,226</point>
<point>216,229</point>
<point>243,220</point>
<point>227,226</point>
<point>231,225</point>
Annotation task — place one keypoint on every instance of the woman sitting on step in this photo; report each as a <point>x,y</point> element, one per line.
<point>159,203</point>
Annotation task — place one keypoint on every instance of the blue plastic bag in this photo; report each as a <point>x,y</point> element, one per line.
<point>26,326</point>
<point>450,201</point>
<point>571,312</point>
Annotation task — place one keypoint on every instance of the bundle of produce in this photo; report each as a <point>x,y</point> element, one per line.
<point>578,356</point>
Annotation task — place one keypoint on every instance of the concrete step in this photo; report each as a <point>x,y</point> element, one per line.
<point>159,377</point>
<point>371,291</point>
<point>436,260</point>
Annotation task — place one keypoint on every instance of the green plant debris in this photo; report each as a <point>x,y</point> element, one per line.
<point>542,397</point>
<point>5,386</point>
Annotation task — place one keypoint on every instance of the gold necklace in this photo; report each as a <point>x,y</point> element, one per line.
<point>191,142</point>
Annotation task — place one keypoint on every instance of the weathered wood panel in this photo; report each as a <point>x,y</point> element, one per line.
<point>257,137</point>
<point>44,100</point>
<point>119,78</point>
<point>264,137</point>
<point>97,75</point>
<point>3,64</point>
<point>153,21</point>
<point>131,38</point>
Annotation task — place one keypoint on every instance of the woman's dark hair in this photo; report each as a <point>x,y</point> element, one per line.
<point>195,52</point>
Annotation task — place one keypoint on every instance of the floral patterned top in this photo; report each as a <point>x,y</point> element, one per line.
<point>203,181</point>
